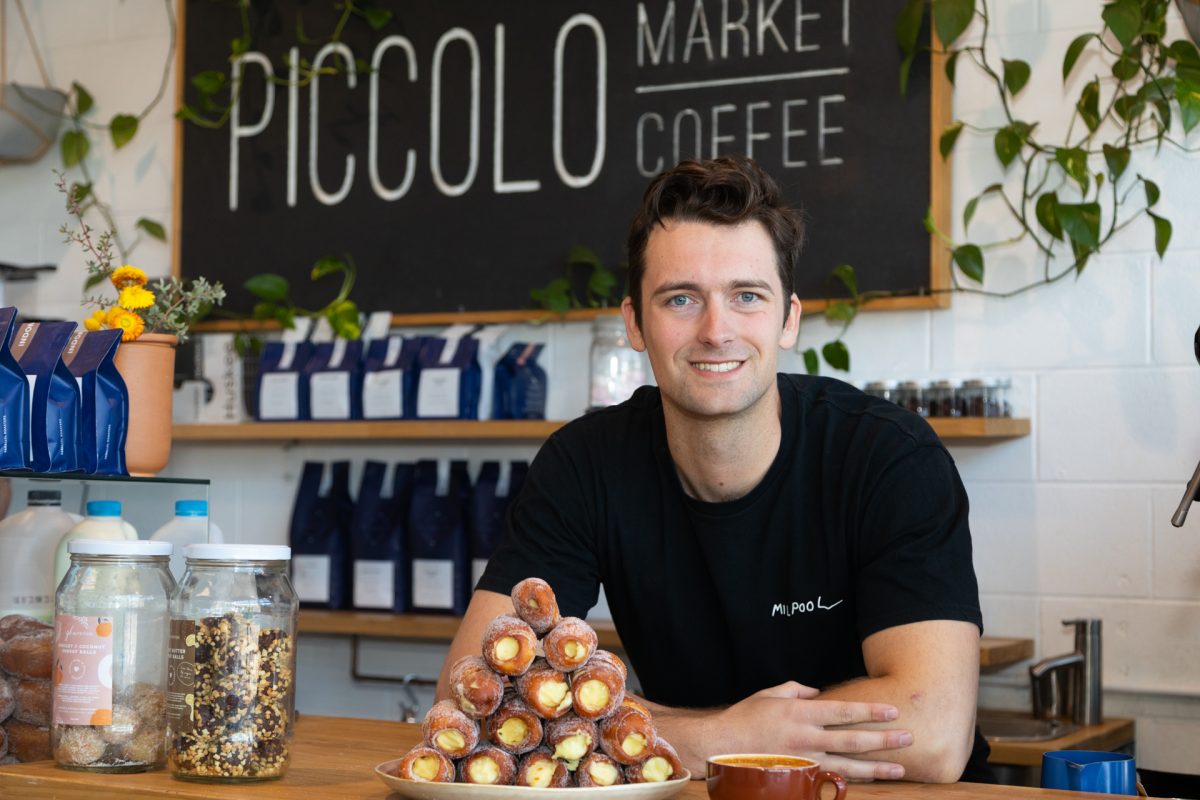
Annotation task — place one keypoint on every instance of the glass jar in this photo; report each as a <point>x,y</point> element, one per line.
<point>885,390</point>
<point>232,664</point>
<point>110,656</point>
<point>997,397</point>
<point>909,395</point>
<point>617,369</point>
<point>972,398</point>
<point>939,399</point>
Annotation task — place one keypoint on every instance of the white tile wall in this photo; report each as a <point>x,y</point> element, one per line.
<point>1072,521</point>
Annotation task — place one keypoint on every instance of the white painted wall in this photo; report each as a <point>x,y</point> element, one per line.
<point>1072,521</point>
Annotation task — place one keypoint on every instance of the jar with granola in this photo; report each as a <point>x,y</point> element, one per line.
<point>109,660</point>
<point>231,664</point>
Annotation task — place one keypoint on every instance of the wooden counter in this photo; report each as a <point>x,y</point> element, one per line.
<point>994,651</point>
<point>1108,735</point>
<point>334,759</point>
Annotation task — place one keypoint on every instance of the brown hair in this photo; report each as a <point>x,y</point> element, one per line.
<point>728,190</point>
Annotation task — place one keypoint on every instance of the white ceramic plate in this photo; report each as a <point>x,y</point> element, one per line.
<point>423,790</point>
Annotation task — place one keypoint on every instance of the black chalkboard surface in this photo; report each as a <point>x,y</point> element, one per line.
<point>475,142</point>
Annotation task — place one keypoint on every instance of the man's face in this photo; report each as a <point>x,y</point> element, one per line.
<point>713,316</point>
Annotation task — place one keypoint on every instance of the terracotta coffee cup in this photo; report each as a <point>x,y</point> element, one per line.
<point>760,776</point>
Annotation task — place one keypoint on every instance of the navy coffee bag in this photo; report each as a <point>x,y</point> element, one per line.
<point>438,544</point>
<point>498,483</point>
<point>54,395</point>
<point>281,393</point>
<point>104,415</point>
<point>334,376</point>
<point>379,539</point>
<point>527,387</point>
<point>389,389</point>
<point>320,536</point>
<point>449,383</point>
<point>14,400</point>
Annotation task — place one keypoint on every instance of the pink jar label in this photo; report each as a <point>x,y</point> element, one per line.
<point>83,655</point>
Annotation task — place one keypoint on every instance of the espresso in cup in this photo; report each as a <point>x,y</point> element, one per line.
<point>767,776</point>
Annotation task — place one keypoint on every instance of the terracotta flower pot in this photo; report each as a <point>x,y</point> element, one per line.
<point>147,365</point>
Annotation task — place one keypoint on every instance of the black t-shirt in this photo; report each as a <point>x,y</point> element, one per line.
<point>860,524</point>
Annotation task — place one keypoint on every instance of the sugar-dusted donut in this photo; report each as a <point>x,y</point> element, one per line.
<point>489,765</point>
<point>597,688</point>
<point>475,687</point>
<point>569,644</point>
<point>663,764</point>
<point>535,603</point>
<point>541,770</point>
<point>426,764</point>
<point>571,738</point>
<point>612,658</point>
<point>508,645</point>
<point>598,770</point>
<point>626,735</point>
<point>544,689</point>
<point>449,731</point>
<point>514,728</point>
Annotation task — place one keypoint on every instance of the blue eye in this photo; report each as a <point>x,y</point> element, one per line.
<point>678,300</point>
<point>747,297</point>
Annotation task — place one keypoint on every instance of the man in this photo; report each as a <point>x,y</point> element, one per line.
<point>787,560</point>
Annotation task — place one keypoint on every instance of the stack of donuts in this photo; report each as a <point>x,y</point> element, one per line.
<point>554,720</point>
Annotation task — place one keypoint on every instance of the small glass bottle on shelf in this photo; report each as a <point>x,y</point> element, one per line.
<point>233,626</point>
<point>939,399</point>
<point>617,369</point>
<point>972,398</point>
<point>909,395</point>
<point>110,656</point>
<point>885,390</point>
<point>997,397</point>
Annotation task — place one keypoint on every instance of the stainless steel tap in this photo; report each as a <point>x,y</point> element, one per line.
<point>1069,685</point>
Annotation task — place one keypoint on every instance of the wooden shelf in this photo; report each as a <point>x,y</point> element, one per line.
<point>981,429</point>
<point>993,651</point>
<point>1112,733</point>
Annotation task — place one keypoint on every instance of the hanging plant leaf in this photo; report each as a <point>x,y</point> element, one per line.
<point>952,65</point>
<point>1016,75</point>
<point>1008,144</point>
<point>80,191</point>
<point>836,355</point>
<point>1128,107</point>
<point>1117,159</point>
<point>122,128</point>
<point>74,146</point>
<point>845,273</point>
<point>328,265</point>
<point>1081,222</point>
<point>1162,233</point>
<point>377,18</point>
<point>812,364</point>
<point>343,318</point>
<point>1073,160</point>
<point>969,210</point>
<point>554,296</point>
<point>208,82</point>
<point>1082,253</point>
<point>152,228</point>
<point>840,312</point>
<point>601,282</point>
<point>582,254</point>
<point>969,259</point>
<point>1124,19</point>
<point>269,287</point>
<point>948,138</point>
<point>83,99</point>
<point>1152,192</point>
<point>1126,68</point>
<point>1184,52</point>
<point>1046,210</point>
<point>1188,96</point>
<point>1074,50</point>
<point>908,25</point>
<point>951,18</point>
<point>1089,105</point>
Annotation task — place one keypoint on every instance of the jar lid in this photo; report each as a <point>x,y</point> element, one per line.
<point>974,383</point>
<point>876,385</point>
<point>237,552</point>
<point>44,497</point>
<point>191,508</point>
<point>118,547</point>
<point>941,384</point>
<point>909,385</point>
<point>104,508</point>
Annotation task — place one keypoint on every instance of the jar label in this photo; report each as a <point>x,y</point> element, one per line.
<point>83,656</point>
<point>181,675</point>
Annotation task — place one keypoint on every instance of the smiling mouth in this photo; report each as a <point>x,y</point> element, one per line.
<point>716,366</point>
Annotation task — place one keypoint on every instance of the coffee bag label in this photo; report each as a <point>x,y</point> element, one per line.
<point>83,656</point>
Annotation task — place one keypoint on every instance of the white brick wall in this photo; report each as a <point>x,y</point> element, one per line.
<point>1073,520</point>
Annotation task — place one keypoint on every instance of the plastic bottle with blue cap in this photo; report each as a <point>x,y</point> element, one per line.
<point>190,525</point>
<point>103,521</point>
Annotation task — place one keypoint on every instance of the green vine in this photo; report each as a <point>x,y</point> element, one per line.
<point>1145,85</point>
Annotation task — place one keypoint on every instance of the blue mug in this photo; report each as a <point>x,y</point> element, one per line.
<point>1089,771</point>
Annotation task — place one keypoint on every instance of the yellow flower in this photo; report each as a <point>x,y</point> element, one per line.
<point>111,315</point>
<point>92,324</point>
<point>135,297</point>
<point>131,324</point>
<point>126,276</point>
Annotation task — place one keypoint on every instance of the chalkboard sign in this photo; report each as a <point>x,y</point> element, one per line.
<point>460,152</point>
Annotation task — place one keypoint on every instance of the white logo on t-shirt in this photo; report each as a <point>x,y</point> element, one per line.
<point>801,607</point>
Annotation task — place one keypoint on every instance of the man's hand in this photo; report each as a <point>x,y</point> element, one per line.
<point>785,719</point>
